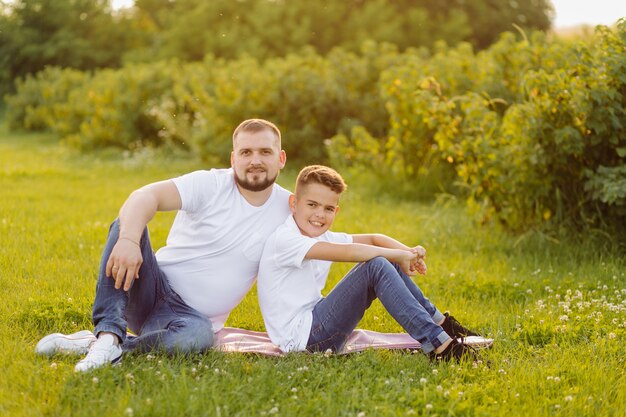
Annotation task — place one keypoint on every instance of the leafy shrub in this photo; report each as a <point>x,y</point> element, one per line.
<point>32,107</point>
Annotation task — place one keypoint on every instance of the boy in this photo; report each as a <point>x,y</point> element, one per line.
<point>295,264</point>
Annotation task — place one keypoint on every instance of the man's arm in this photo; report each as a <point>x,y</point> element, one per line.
<point>140,207</point>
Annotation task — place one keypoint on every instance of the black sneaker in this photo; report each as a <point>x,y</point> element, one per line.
<point>455,351</point>
<point>455,329</point>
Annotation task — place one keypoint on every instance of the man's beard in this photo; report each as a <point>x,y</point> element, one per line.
<point>254,186</point>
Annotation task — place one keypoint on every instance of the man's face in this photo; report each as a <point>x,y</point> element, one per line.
<point>256,159</point>
<point>314,209</point>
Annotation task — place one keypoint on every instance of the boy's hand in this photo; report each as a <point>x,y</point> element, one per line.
<point>418,264</point>
<point>419,251</point>
<point>405,260</point>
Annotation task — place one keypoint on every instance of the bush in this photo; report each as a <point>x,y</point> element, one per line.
<point>533,129</point>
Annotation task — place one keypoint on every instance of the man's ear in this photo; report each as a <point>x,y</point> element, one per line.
<point>283,159</point>
<point>231,159</point>
<point>292,203</point>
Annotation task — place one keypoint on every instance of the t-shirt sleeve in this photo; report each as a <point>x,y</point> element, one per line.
<point>291,248</point>
<point>196,189</point>
<point>334,237</point>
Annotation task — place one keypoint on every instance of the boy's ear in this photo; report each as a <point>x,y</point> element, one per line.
<point>337,209</point>
<point>292,203</point>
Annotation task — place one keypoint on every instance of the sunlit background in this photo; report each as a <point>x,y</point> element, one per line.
<point>568,12</point>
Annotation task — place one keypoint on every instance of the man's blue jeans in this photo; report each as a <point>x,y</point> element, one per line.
<point>150,309</point>
<point>336,316</point>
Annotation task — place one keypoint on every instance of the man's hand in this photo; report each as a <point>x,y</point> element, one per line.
<point>124,263</point>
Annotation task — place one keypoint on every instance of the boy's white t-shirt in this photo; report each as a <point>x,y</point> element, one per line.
<point>215,244</point>
<point>289,285</point>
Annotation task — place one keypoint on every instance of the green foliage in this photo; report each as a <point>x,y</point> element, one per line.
<point>33,107</point>
<point>88,34</point>
<point>533,128</point>
<point>81,34</point>
<point>266,28</point>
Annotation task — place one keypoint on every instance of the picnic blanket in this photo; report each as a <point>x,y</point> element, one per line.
<point>230,339</point>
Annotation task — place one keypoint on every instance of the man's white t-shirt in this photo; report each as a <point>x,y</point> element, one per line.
<point>289,285</point>
<point>214,246</point>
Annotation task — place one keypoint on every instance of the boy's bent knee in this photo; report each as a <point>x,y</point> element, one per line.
<point>378,262</point>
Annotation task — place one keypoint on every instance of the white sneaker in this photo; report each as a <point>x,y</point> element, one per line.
<point>76,343</point>
<point>102,352</point>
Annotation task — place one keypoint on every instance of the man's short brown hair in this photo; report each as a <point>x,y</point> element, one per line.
<point>257,125</point>
<point>320,174</point>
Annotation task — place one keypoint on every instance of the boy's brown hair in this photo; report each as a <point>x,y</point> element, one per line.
<point>320,174</point>
<point>257,125</point>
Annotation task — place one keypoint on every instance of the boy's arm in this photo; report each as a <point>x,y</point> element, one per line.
<point>358,252</point>
<point>385,241</point>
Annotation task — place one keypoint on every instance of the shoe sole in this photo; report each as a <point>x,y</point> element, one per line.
<point>52,344</point>
<point>477,342</point>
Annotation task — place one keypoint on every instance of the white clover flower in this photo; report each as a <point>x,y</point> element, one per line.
<point>128,411</point>
<point>435,371</point>
<point>569,398</point>
<point>429,406</point>
<point>423,381</point>
<point>95,380</point>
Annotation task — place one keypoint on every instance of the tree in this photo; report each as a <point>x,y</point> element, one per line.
<point>82,34</point>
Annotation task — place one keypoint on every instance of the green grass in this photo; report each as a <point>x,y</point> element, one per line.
<point>556,310</point>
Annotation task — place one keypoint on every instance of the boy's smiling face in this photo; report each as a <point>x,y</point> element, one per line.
<point>314,209</point>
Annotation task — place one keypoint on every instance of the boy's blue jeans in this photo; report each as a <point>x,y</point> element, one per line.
<point>150,309</point>
<point>336,316</point>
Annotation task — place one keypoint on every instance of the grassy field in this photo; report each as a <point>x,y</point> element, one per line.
<point>555,309</point>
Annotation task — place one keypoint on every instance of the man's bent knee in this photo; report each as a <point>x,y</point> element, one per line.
<point>192,336</point>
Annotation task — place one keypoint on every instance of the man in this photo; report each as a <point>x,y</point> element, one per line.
<point>176,300</point>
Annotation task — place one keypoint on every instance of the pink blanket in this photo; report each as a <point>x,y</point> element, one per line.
<point>231,339</point>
